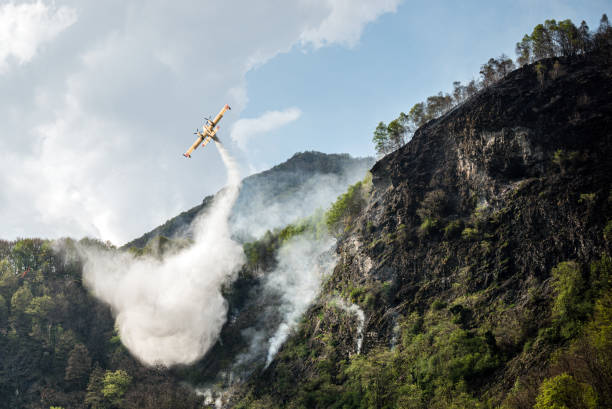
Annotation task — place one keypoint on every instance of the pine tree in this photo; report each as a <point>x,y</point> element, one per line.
<point>79,364</point>
<point>523,51</point>
<point>94,397</point>
<point>381,139</point>
<point>396,132</point>
<point>505,66</point>
<point>584,38</point>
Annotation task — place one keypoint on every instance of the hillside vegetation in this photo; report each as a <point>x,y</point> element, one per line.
<point>481,257</point>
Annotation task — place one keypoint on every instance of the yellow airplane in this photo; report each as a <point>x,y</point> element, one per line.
<point>209,131</point>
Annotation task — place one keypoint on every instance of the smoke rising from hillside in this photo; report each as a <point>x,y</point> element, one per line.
<point>358,312</point>
<point>290,196</point>
<point>283,298</point>
<point>302,265</point>
<point>171,311</point>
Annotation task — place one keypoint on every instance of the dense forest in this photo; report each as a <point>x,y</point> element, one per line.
<point>58,345</point>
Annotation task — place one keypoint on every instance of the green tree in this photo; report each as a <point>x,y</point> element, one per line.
<point>417,114</point>
<point>570,307</point>
<point>19,303</point>
<point>542,40</point>
<point>8,280</point>
<point>459,92</point>
<point>505,66</point>
<point>397,133</point>
<point>603,37</point>
<point>584,37</point>
<point>604,24</point>
<point>115,385</point>
<point>540,73</point>
<point>39,310</point>
<point>79,365</point>
<point>381,139</point>
<point>564,392</point>
<point>345,208</point>
<point>567,37</point>
<point>488,72</point>
<point>438,105</point>
<point>523,51</point>
<point>94,397</point>
<point>4,313</point>
<point>471,88</point>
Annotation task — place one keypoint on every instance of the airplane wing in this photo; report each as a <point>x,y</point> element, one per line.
<point>194,146</point>
<point>220,115</point>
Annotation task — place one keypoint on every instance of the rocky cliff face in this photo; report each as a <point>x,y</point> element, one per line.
<point>462,228</point>
<point>516,165</point>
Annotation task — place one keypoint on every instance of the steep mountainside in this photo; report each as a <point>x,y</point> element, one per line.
<point>482,247</point>
<point>276,197</point>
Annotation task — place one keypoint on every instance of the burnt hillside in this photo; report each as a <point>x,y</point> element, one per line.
<point>481,248</point>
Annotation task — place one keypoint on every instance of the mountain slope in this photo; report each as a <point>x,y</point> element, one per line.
<point>276,197</point>
<point>480,251</point>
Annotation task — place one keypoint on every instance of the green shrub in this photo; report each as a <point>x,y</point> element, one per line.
<point>356,294</point>
<point>428,226</point>
<point>586,198</point>
<point>470,233</point>
<point>452,229</point>
<point>566,160</point>
<point>541,73</point>
<point>570,306</point>
<point>345,208</point>
<point>608,231</point>
<point>438,305</point>
<point>434,205</point>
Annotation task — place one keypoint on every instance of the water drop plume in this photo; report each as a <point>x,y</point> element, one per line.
<point>170,311</point>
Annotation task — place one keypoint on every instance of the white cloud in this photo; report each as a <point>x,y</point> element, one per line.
<point>247,128</point>
<point>345,22</point>
<point>24,27</point>
<point>92,135</point>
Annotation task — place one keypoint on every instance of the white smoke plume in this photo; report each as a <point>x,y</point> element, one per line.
<point>171,311</point>
<point>286,294</point>
<point>353,309</point>
<point>254,213</point>
<point>303,263</point>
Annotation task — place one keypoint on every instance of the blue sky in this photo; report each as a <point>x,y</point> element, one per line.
<point>99,99</point>
<point>401,59</point>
